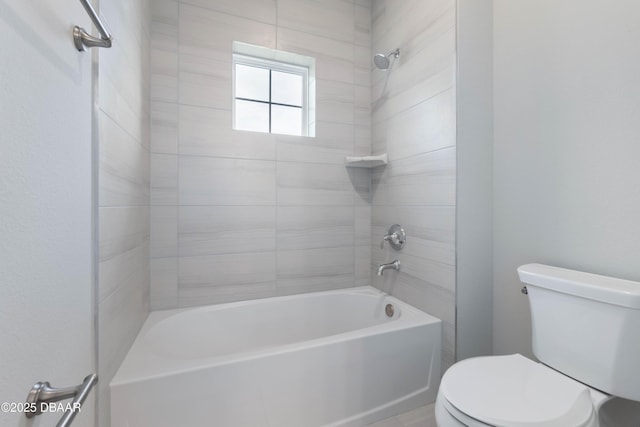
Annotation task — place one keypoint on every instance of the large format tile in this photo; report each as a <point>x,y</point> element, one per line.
<point>164,231</point>
<point>123,167</point>
<point>164,179</point>
<point>210,34</point>
<point>257,10</point>
<point>427,179</point>
<point>208,132</point>
<point>215,181</point>
<point>313,184</point>
<point>330,18</point>
<point>226,269</point>
<point>314,227</point>
<point>164,283</point>
<point>212,230</point>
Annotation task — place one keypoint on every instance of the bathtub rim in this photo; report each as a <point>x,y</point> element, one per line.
<point>410,318</point>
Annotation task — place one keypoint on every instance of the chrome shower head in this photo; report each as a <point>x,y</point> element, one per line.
<point>382,61</point>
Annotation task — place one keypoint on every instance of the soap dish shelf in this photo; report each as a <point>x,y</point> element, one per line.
<point>366,161</point>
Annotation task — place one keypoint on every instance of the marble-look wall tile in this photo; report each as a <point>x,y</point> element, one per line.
<point>428,126</point>
<point>164,231</point>
<point>413,119</point>
<point>217,230</point>
<point>333,19</point>
<point>426,179</point>
<point>226,269</point>
<point>313,184</point>
<point>164,179</point>
<point>164,128</point>
<point>123,167</point>
<point>306,227</point>
<point>208,33</point>
<point>164,276</point>
<point>216,181</point>
<point>254,210</point>
<point>207,132</point>
<point>123,235</point>
<point>257,10</point>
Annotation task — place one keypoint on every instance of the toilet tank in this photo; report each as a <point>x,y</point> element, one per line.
<point>586,326</point>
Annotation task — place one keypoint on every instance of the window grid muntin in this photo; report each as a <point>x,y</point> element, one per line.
<point>280,67</point>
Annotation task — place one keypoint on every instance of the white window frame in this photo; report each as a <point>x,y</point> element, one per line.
<point>287,62</point>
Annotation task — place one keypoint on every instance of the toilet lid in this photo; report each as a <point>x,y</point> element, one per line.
<point>517,392</point>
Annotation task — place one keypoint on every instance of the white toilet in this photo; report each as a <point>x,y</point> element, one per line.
<point>586,333</point>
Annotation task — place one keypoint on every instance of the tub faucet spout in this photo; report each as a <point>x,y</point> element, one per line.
<point>395,265</point>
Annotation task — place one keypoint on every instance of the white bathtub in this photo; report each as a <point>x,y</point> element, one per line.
<point>323,359</point>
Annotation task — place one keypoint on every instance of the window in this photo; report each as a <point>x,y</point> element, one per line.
<point>271,96</point>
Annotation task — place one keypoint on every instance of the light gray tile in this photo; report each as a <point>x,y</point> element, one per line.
<point>164,179</point>
<point>362,225</point>
<point>120,317</point>
<point>315,227</point>
<point>207,132</point>
<point>214,181</point>
<point>432,272</point>
<point>123,167</point>
<point>165,11</point>
<point>334,58</point>
<point>205,82</point>
<point>362,25</point>
<point>426,127</point>
<point>123,269</point>
<point>423,416</point>
<point>330,18</point>
<point>304,284</point>
<point>313,184</point>
<point>389,422</point>
<point>333,142</point>
<point>164,128</point>
<point>226,269</point>
<point>257,10</point>
<point>210,34</point>
<point>121,229</point>
<point>431,230</point>
<point>362,265</point>
<point>198,296</point>
<point>164,88</point>
<point>427,179</point>
<point>164,231</point>
<point>205,230</point>
<point>164,283</point>
<point>164,62</point>
<point>334,102</point>
<point>319,263</point>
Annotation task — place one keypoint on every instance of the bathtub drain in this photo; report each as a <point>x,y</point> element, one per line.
<point>389,310</point>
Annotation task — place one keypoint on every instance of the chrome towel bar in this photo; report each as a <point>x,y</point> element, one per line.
<point>42,395</point>
<point>82,39</point>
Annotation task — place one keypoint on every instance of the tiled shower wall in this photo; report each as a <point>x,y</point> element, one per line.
<point>123,193</point>
<point>414,121</point>
<point>240,215</point>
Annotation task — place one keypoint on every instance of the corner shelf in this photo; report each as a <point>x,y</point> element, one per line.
<point>366,161</point>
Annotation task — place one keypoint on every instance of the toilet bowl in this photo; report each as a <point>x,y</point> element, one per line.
<point>584,331</point>
<point>514,391</point>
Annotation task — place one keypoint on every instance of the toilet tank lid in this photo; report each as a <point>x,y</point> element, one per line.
<point>625,293</point>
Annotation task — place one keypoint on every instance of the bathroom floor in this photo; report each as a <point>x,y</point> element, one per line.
<point>423,416</point>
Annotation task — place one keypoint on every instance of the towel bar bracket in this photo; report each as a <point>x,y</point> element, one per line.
<point>83,40</point>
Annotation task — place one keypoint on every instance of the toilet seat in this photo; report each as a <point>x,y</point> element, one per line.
<point>516,392</point>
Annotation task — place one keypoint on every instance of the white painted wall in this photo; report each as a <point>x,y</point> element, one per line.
<point>46,279</point>
<point>567,146</point>
<point>474,203</point>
